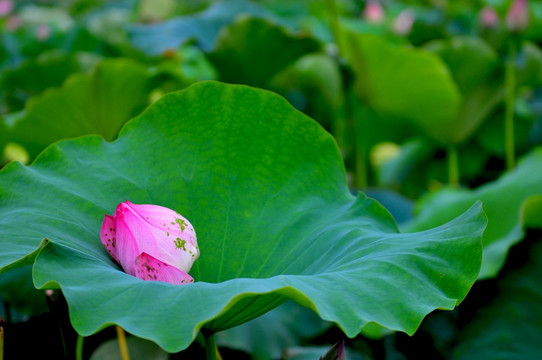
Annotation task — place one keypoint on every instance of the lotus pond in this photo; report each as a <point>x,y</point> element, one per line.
<point>273,179</point>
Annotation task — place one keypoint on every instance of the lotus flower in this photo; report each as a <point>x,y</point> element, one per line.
<point>151,242</point>
<point>517,18</point>
<point>5,7</point>
<point>489,18</point>
<point>404,21</point>
<point>374,12</point>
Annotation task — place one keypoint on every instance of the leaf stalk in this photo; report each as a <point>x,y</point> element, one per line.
<point>510,84</point>
<point>79,347</point>
<point>121,336</point>
<point>453,166</point>
<point>211,351</point>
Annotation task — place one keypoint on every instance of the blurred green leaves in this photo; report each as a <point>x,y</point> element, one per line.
<point>96,103</point>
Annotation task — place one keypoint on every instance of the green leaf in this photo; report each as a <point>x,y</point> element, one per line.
<point>251,50</point>
<point>138,349</point>
<point>97,103</point>
<point>509,327</point>
<point>203,27</point>
<point>35,75</point>
<point>317,352</point>
<point>529,65</point>
<point>3,137</point>
<point>20,293</point>
<point>504,203</point>
<point>478,74</point>
<point>314,85</point>
<point>411,83</point>
<point>265,188</point>
<point>270,334</point>
<point>470,60</point>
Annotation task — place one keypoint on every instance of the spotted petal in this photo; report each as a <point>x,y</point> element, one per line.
<point>149,268</point>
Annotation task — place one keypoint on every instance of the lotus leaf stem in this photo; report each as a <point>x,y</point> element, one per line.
<point>211,351</point>
<point>122,344</point>
<point>79,347</point>
<point>510,83</point>
<point>453,166</point>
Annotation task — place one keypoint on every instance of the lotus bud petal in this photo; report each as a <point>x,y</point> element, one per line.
<point>404,21</point>
<point>43,32</point>
<point>5,7</point>
<point>489,18</point>
<point>517,18</point>
<point>373,12</point>
<point>151,242</point>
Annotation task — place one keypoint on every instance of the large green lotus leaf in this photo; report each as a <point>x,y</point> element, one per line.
<point>97,103</point>
<point>506,203</point>
<point>251,50</point>
<point>264,187</point>
<point>203,27</point>
<point>509,328</point>
<point>411,83</point>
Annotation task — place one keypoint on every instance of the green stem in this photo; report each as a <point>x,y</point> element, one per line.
<point>361,115</point>
<point>453,166</point>
<point>360,180</point>
<point>335,25</point>
<point>510,83</point>
<point>79,348</point>
<point>124,355</point>
<point>210,347</point>
<point>339,120</point>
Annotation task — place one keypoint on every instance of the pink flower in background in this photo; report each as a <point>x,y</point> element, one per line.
<point>517,18</point>
<point>5,7</point>
<point>43,32</point>
<point>151,242</point>
<point>404,21</point>
<point>489,18</point>
<point>13,23</point>
<point>374,12</point>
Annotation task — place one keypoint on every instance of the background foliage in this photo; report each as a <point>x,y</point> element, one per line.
<point>416,94</point>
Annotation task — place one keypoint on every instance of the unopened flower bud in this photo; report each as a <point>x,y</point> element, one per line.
<point>373,12</point>
<point>404,21</point>
<point>517,18</point>
<point>151,242</point>
<point>489,19</point>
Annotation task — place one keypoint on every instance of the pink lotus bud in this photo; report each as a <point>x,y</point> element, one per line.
<point>517,18</point>
<point>373,12</point>
<point>151,242</point>
<point>43,32</point>
<point>5,7</point>
<point>404,21</point>
<point>13,23</point>
<point>489,18</point>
